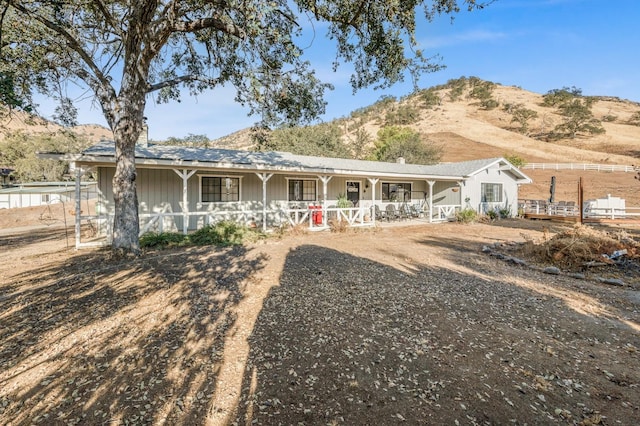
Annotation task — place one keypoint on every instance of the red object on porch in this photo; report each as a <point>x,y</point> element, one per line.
<point>316,214</point>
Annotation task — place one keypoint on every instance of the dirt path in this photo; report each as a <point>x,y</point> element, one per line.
<point>396,325</point>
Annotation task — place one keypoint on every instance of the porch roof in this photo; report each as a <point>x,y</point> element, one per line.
<point>210,158</point>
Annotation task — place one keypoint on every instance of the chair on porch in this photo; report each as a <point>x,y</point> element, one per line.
<point>379,214</point>
<point>405,211</point>
<point>391,212</point>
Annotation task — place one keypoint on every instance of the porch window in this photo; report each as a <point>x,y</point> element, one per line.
<point>396,192</point>
<point>491,192</point>
<point>220,189</point>
<point>302,190</point>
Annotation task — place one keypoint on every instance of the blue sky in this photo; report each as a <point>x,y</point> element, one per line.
<point>537,45</point>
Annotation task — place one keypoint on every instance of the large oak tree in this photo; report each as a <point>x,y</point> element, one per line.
<point>125,50</point>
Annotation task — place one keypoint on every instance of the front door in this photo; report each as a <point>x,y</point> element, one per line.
<point>353,192</point>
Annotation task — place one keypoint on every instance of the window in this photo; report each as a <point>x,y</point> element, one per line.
<point>491,193</point>
<point>220,189</point>
<point>394,192</point>
<point>302,190</point>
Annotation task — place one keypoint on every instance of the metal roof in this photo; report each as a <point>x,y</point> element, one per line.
<point>44,188</point>
<point>268,161</point>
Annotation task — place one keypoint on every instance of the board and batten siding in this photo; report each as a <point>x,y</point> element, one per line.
<point>473,188</point>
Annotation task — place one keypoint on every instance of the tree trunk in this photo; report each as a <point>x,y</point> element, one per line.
<point>126,226</point>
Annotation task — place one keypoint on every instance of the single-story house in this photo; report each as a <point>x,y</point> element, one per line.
<point>183,189</point>
<point>33,194</point>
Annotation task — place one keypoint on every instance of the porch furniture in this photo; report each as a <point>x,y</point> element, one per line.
<point>379,214</point>
<point>392,212</point>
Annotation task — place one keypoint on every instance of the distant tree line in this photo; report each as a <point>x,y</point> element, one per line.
<point>18,151</point>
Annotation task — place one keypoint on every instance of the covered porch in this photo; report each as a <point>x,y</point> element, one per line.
<point>371,200</point>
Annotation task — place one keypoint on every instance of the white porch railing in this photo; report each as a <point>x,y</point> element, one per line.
<point>446,212</point>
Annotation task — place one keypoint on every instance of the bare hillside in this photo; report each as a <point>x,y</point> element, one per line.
<point>31,124</point>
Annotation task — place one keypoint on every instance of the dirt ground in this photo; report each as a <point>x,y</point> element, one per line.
<point>401,324</point>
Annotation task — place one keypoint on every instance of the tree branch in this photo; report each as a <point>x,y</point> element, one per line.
<point>72,43</point>
<point>108,17</point>
<point>181,79</point>
<point>212,22</point>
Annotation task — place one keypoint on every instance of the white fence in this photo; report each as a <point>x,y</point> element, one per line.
<point>578,166</point>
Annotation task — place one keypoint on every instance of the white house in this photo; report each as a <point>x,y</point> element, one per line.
<point>32,194</point>
<point>186,188</point>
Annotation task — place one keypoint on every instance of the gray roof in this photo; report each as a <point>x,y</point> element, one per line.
<point>284,160</point>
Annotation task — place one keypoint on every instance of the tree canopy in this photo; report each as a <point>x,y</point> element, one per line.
<point>122,51</point>
<point>395,142</point>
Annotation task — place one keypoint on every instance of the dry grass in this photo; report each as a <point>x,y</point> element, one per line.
<point>581,245</point>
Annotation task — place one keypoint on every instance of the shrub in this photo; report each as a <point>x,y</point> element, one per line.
<point>162,239</point>
<point>466,215</point>
<point>223,233</point>
<point>635,119</point>
<point>343,202</point>
<point>515,160</point>
<point>505,212</point>
<point>492,214</point>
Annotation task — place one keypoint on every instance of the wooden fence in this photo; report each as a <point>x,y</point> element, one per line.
<point>578,166</point>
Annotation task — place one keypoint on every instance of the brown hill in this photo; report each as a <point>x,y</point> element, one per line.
<point>466,131</point>
<point>32,124</point>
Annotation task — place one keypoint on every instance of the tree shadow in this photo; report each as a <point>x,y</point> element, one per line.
<point>345,339</point>
<point>97,339</point>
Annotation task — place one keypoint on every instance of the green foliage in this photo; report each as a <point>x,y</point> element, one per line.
<point>457,86</point>
<point>9,99</point>
<point>430,98</point>
<point>466,215</point>
<point>18,151</point>
<point>395,142</point>
<point>343,202</point>
<point>322,140</point>
<point>489,103</point>
<point>360,146</point>
<point>556,97</point>
<point>492,214</point>
<point>609,118</point>
<point>124,51</point>
<point>162,239</point>
<point>223,233</point>
<point>505,213</point>
<point>515,160</point>
<point>635,119</point>
<point>578,118</point>
<point>521,116</point>
<point>191,140</point>
<point>483,91</point>
<point>403,115</point>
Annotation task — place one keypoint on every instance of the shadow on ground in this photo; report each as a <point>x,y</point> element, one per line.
<point>346,340</point>
<point>102,340</point>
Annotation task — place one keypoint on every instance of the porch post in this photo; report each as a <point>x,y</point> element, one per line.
<point>325,180</point>
<point>373,182</point>
<point>78,206</point>
<point>185,175</point>
<point>431,182</point>
<point>264,177</point>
